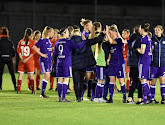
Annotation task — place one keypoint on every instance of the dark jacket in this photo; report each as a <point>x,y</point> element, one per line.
<point>7,51</point>
<point>82,58</point>
<point>133,55</point>
<point>158,55</point>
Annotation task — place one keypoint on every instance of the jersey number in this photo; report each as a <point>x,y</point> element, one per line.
<point>60,48</point>
<point>25,50</point>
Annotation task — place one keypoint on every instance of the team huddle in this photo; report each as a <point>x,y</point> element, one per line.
<point>95,54</point>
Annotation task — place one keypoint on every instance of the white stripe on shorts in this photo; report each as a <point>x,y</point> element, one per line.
<point>101,72</point>
<point>140,70</point>
<point>123,65</point>
<point>43,67</point>
<point>70,70</point>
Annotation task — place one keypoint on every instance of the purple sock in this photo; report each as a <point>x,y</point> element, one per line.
<point>59,89</point>
<point>101,91</point>
<point>162,90</point>
<point>152,89</point>
<point>123,89</point>
<point>98,91</point>
<point>44,83</point>
<point>145,91</point>
<point>111,90</point>
<point>64,89</point>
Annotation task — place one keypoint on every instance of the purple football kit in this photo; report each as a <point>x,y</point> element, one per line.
<point>63,53</point>
<point>117,63</point>
<point>145,59</point>
<point>117,66</point>
<point>45,63</point>
<point>45,48</point>
<point>144,66</point>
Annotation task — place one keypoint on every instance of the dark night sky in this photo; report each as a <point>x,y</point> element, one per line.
<point>101,2</point>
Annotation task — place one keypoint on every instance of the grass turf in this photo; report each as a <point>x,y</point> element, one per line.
<point>28,109</point>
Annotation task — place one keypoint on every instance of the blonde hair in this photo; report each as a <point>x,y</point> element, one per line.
<point>45,32</point>
<point>76,32</point>
<point>84,22</point>
<point>113,28</point>
<point>159,26</point>
<point>149,34</point>
<point>127,31</point>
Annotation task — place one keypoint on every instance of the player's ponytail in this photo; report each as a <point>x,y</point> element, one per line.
<point>4,31</point>
<point>84,22</point>
<point>45,32</point>
<point>145,27</point>
<point>28,33</point>
<point>97,25</point>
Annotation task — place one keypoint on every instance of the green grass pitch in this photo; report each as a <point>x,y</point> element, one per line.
<point>28,109</point>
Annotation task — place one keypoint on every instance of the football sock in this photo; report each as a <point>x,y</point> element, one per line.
<point>111,89</point>
<point>32,85</point>
<point>59,89</point>
<point>44,83</point>
<point>37,80</point>
<point>145,91</point>
<point>64,89</point>
<point>162,90</point>
<point>123,89</point>
<point>152,89</point>
<point>19,82</point>
<point>51,81</point>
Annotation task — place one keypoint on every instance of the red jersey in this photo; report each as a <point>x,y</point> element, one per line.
<point>26,50</point>
<point>125,49</point>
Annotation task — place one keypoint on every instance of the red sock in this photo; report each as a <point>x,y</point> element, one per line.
<point>19,82</point>
<point>37,80</point>
<point>127,85</point>
<point>32,84</point>
<point>28,81</point>
<point>51,81</point>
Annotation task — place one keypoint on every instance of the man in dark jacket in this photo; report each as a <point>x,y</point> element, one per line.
<point>7,52</point>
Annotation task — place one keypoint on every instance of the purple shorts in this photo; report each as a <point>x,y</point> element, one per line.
<point>117,70</point>
<point>100,72</point>
<point>144,71</point>
<point>156,72</point>
<point>45,67</point>
<point>63,72</point>
<point>90,69</point>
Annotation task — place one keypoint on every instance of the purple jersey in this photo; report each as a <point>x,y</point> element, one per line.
<point>45,48</point>
<point>117,52</point>
<point>85,33</point>
<point>63,51</point>
<point>146,57</point>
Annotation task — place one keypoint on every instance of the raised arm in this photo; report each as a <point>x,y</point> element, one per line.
<point>90,42</point>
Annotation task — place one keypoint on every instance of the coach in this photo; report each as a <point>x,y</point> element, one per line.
<point>7,52</point>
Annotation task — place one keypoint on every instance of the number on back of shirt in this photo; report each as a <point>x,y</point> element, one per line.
<point>60,48</point>
<point>25,50</point>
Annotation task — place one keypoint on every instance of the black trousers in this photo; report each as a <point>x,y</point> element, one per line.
<point>9,63</point>
<point>134,79</point>
<point>78,81</point>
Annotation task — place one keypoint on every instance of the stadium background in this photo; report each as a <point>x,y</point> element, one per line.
<point>17,15</point>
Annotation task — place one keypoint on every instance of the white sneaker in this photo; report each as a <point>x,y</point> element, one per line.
<point>85,99</point>
<point>96,100</point>
<point>102,100</point>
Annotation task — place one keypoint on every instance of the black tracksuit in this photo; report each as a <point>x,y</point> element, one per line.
<point>7,52</point>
